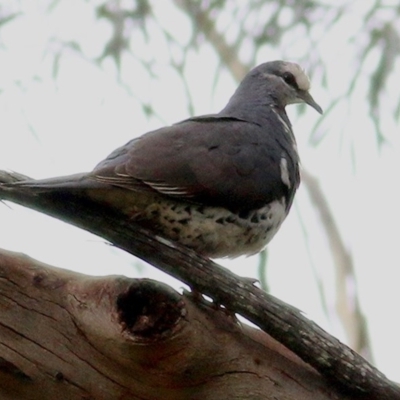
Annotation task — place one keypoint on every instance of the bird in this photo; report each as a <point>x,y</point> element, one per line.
<point>221,184</point>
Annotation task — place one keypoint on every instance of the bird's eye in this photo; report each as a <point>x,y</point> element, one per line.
<point>289,79</point>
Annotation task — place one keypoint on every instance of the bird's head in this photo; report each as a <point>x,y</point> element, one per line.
<point>285,82</point>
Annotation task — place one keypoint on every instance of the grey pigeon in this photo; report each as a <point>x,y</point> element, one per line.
<point>221,184</point>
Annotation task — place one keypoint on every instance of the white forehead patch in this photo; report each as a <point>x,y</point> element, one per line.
<point>301,78</point>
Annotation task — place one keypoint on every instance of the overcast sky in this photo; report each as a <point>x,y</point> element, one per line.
<point>60,126</point>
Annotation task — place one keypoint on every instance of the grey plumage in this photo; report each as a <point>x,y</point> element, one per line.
<point>220,183</point>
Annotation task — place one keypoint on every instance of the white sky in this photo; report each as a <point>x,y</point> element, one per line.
<point>52,128</point>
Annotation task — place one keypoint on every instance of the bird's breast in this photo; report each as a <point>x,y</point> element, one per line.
<point>212,231</point>
<point>215,231</point>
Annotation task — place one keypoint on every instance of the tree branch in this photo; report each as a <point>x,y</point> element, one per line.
<point>283,322</point>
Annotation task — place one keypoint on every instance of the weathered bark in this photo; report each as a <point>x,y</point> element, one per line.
<point>327,355</point>
<point>64,335</point>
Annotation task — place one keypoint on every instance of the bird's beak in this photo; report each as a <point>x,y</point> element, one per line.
<point>307,98</point>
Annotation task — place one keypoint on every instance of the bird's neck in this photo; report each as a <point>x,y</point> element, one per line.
<point>257,110</point>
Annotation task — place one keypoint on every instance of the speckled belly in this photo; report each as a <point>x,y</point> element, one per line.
<point>216,232</point>
<point>212,231</point>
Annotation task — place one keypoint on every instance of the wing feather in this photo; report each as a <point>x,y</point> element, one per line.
<point>221,161</point>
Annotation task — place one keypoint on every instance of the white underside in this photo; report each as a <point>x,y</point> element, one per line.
<point>216,232</point>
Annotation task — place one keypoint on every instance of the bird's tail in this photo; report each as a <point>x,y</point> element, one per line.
<point>71,182</point>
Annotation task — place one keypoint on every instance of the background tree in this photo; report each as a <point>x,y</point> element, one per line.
<point>81,79</point>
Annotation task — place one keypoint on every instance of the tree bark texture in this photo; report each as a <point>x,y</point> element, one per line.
<point>64,335</point>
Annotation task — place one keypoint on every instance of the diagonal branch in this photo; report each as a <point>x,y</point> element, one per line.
<point>285,323</point>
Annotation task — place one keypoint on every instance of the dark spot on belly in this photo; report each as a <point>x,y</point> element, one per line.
<point>176,230</point>
<point>201,209</point>
<point>188,209</point>
<point>220,221</point>
<point>184,221</point>
<point>255,218</point>
<point>245,214</point>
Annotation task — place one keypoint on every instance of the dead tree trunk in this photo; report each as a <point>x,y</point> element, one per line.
<point>64,335</point>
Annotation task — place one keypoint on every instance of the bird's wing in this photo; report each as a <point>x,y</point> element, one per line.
<point>212,159</point>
